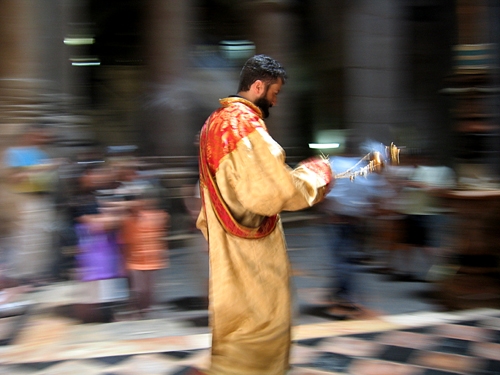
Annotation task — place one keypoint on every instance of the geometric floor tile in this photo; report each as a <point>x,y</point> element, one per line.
<point>377,367</point>
<point>16,370</point>
<point>398,354</point>
<point>73,367</point>
<point>10,326</point>
<point>373,347</point>
<point>487,350</point>
<point>332,362</point>
<point>350,346</point>
<point>448,362</point>
<point>147,364</point>
<point>300,355</point>
<point>407,339</point>
<point>308,371</point>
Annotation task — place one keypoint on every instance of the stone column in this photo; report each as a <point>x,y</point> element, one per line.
<point>325,60</point>
<point>472,89</point>
<point>272,27</point>
<point>18,65</point>
<point>472,24</point>
<point>75,20</point>
<point>476,206</point>
<point>18,44</point>
<point>373,70</point>
<point>51,49</point>
<point>168,95</point>
<point>33,63</point>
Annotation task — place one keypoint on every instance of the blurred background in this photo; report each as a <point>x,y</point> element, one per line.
<point>120,79</point>
<point>148,73</point>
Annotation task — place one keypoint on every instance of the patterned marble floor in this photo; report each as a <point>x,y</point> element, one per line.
<point>424,343</point>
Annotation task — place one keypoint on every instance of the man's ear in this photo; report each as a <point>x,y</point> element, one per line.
<point>258,87</point>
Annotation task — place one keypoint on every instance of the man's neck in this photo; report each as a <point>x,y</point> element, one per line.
<point>246,95</point>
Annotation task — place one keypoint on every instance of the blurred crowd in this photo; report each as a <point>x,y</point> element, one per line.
<point>395,219</point>
<point>96,220</point>
<point>99,221</point>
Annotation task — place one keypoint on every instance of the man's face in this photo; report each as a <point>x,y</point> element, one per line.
<point>269,98</point>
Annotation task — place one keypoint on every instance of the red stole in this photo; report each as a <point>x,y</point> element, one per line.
<point>218,139</point>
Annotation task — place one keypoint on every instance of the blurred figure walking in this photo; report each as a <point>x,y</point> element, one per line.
<point>31,176</point>
<point>143,237</point>
<point>99,264</point>
<point>419,184</point>
<point>348,208</point>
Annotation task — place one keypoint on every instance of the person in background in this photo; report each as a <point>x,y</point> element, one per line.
<point>31,176</point>
<point>143,238</point>
<point>11,291</point>
<point>245,184</point>
<point>99,264</point>
<point>418,183</point>
<point>348,208</point>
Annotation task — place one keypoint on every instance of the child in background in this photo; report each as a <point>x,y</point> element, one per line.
<point>145,248</point>
<point>99,263</point>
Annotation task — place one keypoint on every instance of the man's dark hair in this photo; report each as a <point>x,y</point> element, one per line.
<point>260,67</point>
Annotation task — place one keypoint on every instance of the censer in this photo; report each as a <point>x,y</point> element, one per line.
<point>376,162</point>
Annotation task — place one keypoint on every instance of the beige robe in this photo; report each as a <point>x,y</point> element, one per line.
<point>250,302</point>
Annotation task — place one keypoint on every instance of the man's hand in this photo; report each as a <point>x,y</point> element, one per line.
<point>330,185</point>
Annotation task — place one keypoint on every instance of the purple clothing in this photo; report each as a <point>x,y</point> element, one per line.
<point>99,257</point>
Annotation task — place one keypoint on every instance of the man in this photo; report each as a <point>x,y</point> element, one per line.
<point>423,214</point>
<point>348,209</point>
<point>245,184</point>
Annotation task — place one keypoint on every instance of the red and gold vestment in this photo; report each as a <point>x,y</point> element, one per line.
<point>245,184</point>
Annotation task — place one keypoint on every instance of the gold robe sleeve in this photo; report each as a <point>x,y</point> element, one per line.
<point>255,178</point>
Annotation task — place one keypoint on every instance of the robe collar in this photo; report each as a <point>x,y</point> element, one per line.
<point>226,102</point>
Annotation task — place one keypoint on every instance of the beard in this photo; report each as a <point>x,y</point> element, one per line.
<point>264,105</point>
